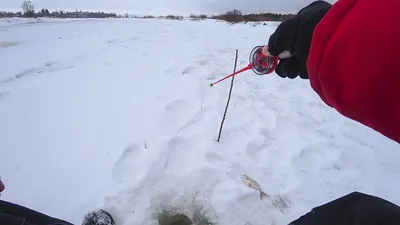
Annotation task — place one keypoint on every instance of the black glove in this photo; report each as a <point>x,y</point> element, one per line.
<point>353,209</point>
<point>294,35</point>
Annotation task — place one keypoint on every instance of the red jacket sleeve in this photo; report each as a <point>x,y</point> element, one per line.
<point>354,62</point>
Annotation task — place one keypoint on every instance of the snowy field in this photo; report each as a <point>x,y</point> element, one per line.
<point>118,114</point>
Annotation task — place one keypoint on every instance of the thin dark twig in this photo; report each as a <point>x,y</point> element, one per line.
<point>229,98</point>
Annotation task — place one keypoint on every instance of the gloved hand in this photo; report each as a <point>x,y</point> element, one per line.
<point>294,35</point>
<point>353,209</point>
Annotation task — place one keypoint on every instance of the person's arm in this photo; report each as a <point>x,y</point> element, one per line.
<point>353,63</point>
<point>349,51</point>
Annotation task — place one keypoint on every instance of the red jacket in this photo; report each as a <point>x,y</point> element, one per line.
<point>354,62</point>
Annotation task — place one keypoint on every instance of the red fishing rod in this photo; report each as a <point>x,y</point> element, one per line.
<point>260,63</point>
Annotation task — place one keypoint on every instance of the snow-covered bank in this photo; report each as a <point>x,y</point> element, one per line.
<point>119,114</point>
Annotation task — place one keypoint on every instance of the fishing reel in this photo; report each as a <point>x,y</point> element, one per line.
<point>262,64</point>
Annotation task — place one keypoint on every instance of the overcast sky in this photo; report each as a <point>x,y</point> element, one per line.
<point>162,7</point>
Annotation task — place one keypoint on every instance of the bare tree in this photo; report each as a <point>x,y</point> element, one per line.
<point>28,8</point>
<point>234,12</point>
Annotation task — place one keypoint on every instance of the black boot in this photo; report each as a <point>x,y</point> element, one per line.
<point>98,217</point>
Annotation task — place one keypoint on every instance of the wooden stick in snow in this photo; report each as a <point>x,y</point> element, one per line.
<point>229,98</point>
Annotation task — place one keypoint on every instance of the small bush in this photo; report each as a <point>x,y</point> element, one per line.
<point>198,17</point>
<point>172,17</point>
<point>148,17</point>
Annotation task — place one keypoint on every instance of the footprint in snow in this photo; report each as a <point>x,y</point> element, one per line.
<point>175,143</point>
<point>175,105</point>
<point>253,151</point>
<point>175,114</point>
<point>211,76</point>
<point>213,157</point>
<point>202,62</point>
<point>122,167</point>
<point>268,134</point>
<point>272,101</point>
<point>188,70</point>
<point>235,170</point>
<point>169,70</point>
<point>306,155</point>
<point>268,118</point>
<point>179,154</point>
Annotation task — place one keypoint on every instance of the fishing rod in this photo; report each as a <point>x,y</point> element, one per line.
<point>260,63</point>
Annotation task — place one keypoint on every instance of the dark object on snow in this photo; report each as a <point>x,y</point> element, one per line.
<point>294,35</point>
<point>178,219</point>
<point>13,214</point>
<point>353,209</point>
<point>98,217</point>
<point>2,186</point>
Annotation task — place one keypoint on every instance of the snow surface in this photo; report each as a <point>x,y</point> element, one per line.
<point>118,114</point>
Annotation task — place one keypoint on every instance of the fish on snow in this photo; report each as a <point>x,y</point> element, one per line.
<point>250,182</point>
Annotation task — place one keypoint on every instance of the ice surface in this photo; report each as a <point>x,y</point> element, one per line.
<point>118,114</point>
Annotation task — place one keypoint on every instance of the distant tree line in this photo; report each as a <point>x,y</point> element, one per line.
<point>236,16</point>
<point>28,10</point>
